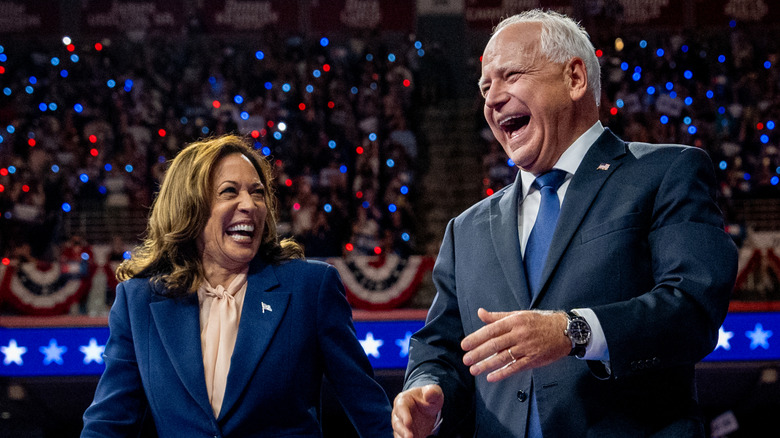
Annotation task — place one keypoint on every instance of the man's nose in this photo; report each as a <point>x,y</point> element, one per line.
<point>496,95</point>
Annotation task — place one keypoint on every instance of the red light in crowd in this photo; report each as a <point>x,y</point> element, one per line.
<point>278,163</point>
<point>377,250</point>
<point>6,261</point>
<point>255,133</point>
<point>359,150</point>
<point>489,192</point>
<point>759,126</point>
<point>480,59</point>
<point>70,47</point>
<point>31,142</point>
<point>288,182</point>
<point>4,171</point>
<point>407,82</point>
<point>216,104</point>
<point>331,104</point>
<point>359,195</point>
<point>599,53</point>
<point>2,69</point>
<point>296,206</point>
<point>325,67</point>
<point>270,123</point>
<point>263,132</point>
<point>93,138</point>
<point>98,47</point>
<point>613,111</point>
<point>93,152</point>
<point>2,188</point>
<point>25,188</point>
<point>348,246</point>
<point>161,133</point>
<point>375,76</point>
<point>301,106</point>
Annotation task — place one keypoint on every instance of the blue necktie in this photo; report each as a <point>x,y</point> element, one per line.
<point>541,235</point>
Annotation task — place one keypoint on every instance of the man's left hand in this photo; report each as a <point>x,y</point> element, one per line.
<point>515,341</point>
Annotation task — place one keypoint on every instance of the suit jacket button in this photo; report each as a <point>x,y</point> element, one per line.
<point>522,396</point>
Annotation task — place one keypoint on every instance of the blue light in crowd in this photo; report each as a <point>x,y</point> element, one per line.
<point>722,110</point>
<point>405,237</point>
<point>324,42</point>
<point>53,106</point>
<point>212,80</point>
<point>691,130</point>
<point>636,76</point>
<point>733,23</point>
<point>624,66</point>
<point>637,69</point>
<point>390,162</point>
<point>1,139</point>
<point>343,168</point>
<point>774,180</point>
<point>7,91</point>
<point>64,73</point>
<point>369,57</point>
<point>669,86</point>
<point>420,53</point>
<point>764,139</point>
<point>316,73</point>
<point>721,59</point>
<point>767,65</point>
<point>354,90</point>
<point>29,89</point>
<point>78,108</point>
<point>8,215</point>
<point>55,61</point>
<point>205,130</point>
<point>688,100</point>
<point>365,204</point>
<point>332,144</point>
<point>55,168</point>
<point>404,190</point>
<point>129,168</point>
<point>65,207</point>
<point>391,57</point>
<point>777,170</point>
<point>619,103</point>
<point>257,145</point>
<point>309,89</point>
<point>651,90</point>
<point>2,49</point>
<point>723,165</point>
<point>392,208</point>
<point>259,54</point>
<point>372,136</point>
<point>659,52</point>
<point>286,87</point>
<point>687,74</point>
<point>161,159</point>
<point>10,129</point>
<point>3,57</point>
<point>278,135</point>
<point>103,190</point>
<point>664,120</point>
<point>684,48</point>
<point>746,176</point>
<point>268,85</point>
<point>238,99</point>
<point>111,83</point>
<point>328,208</point>
<point>84,178</point>
<point>244,115</point>
<point>770,125</point>
<point>266,151</point>
<point>373,86</point>
<point>710,94</point>
<point>126,255</point>
<point>108,167</point>
<point>74,58</point>
<point>643,44</point>
<point>84,256</point>
<point>33,80</point>
<point>417,45</point>
<point>184,120</point>
<point>42,106</point>
<point>687,120</point>
<point>510,163</point>
<point>11,169</point>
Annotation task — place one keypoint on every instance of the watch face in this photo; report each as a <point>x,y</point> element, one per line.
<point>579,331</point>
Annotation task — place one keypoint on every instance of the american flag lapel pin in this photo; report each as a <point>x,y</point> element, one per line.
<point>603,166</point>
<point>265,307</point>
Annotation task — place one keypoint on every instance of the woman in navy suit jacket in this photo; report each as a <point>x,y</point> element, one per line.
<point>221,329</point>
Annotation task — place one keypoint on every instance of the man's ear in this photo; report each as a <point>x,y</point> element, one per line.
<point>576,78</point>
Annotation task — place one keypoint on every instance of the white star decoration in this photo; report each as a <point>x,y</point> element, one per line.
<point>723,339</point>
<point>92,352</point>
<point>371,345</point>
<point>403,344</point>
<point>759,337</point>
<point>13,353</point>
<point>53,353</point>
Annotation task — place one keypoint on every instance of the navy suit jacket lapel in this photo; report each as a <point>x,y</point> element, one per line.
<point>178,324</point>
<point>603,158</point>
<point>264,307</point>
<point>506,241</point>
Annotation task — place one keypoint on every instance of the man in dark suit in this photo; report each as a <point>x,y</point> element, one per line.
<point>590,327</point>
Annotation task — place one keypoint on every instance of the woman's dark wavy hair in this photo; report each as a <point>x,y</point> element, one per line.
<point>168,254</point>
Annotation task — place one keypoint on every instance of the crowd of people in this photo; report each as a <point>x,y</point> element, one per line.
<point>92,127</point>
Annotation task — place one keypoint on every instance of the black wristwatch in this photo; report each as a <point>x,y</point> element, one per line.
<point>578,331</point>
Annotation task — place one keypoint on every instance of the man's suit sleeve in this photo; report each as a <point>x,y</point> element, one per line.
<point>694,264</point>
<point>435,355</point>
<point>120,402</point>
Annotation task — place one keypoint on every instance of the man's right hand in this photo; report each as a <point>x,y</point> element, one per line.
<point>415,411</point>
